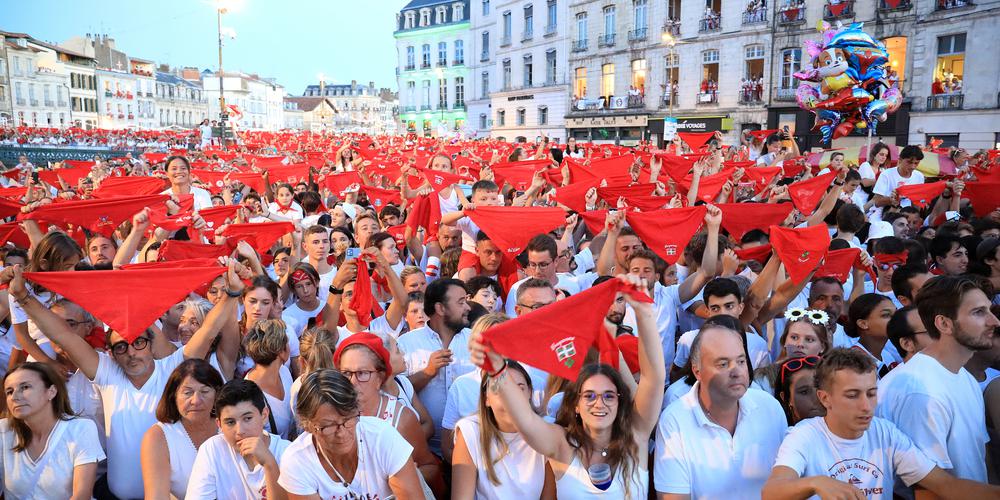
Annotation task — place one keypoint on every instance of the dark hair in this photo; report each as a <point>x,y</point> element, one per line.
<point>530,283</point>
<point>876,149</point>
<point>911,152</point>
<point>642,253</point>
<point>696,246</point>
<point>17,252</point>
<point>783,386</point>
<point>852,175</point>
<point>477,283</point>
<point>389,209</point>
<point>839,244</point>
<point>850,218</point>
<point>436,293</point>
<point>861,308</point>
<point>942,296</point>
<point>722,287</point>
<point>60,403</point>
<point>198,369</point>
<point>889,245</point>
<point>237,391</point>
<point>754,236</point>
<point>166,163</point>
<point>916,251</point>
<point>901,280</point>
<point>377,239</point>
<point>310,201</point>
<point>942,244</point>
<point>836,154</point>
<point>543,243</point>
<point>898,328</point>
<point>264,282</point>
<point>840,358</point>
<point>485,185</point>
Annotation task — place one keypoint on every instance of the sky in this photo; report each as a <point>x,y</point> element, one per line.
<point>291,40</point>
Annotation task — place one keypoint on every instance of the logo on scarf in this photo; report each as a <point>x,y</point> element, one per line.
<point>438,180</point>
<point>670,249</point>
<point>103,220</point>
<point>565,349</point>
<point>804,257</point>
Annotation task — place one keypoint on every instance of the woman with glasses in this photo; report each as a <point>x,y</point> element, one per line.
<point>343,454</point>
<point>365,361</point>
<point>599,442</point>
<point>795,389</point>
<point>867,321</point>
<point>804,335</point>
<point>45,451</point>
<point>185,420</point>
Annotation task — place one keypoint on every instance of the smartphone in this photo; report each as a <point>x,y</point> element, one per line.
<point>352,253</point>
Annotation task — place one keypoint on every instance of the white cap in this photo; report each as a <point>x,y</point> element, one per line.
<point>879,229</point>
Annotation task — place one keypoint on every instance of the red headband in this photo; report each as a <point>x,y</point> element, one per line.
<point>298,276</point>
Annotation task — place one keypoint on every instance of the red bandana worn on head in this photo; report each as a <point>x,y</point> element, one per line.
<point>127,301</point>
<point>510,228</point>
<point>759,253</point>
<point>298,276</point>
<point>740,218</point>
<point>921,194</point>
<point>801,250</point>
<point>561,332</point>
<point>129,186</point>
<point>667,232</point>
<point>806,194</point>
<point>99,216</point>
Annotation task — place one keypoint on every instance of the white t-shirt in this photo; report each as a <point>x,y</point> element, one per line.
<point>666,303</point>
<point>697,457</point>
<point>220,472</point>
<point>281,409</point>
<point>890,180</point>
<point>382,453</point>
<point>294,212</point>
<point>202,198</point>
<point>866,171</point>
<point>521,472</point>
<point>756,344</point>
<point>869,463</point>
<point>296,320</point>
<point>379,326</point>
<point>18,316</point>
<point>469,232</point>
<point>128,413</point>
<point>942,412</point>
<point>71,443</point>
<point>463,398</point>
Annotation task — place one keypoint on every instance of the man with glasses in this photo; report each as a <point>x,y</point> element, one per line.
<point>907,334</point>
<point>719,440</point>
<point>242,462</point>
<point>130,380</point>
<point>542,253</point>
<point>890,254</point>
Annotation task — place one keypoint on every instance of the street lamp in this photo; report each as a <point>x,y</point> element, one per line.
<point>222,7</point>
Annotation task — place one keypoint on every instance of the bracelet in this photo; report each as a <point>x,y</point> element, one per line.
<point>336,291</point>
<point>233,293</point>
<point>498,372</point>
<point>23,300</point>
<point>841,183</point>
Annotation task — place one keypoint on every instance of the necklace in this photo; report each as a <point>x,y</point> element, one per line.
<point>604,452</point>
<point>334,469</point>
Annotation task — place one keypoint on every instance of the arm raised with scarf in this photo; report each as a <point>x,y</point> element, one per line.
<point>708,268</point>
<point>125,253</point>
<point>201,342</point>
<point>397,308</point>
<point>829,200</point>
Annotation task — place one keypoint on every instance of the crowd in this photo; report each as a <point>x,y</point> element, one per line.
<point>315,316</point>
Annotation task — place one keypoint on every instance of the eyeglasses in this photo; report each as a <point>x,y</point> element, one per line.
<point>887,266</point>
<point>590,398</point>
<point>346,425</point>
<point>539,265</point>
<point>360,375</point>
<point>796,364</point>
<point>72,323</point>
<point>532,307</point>
<point>119,348</point>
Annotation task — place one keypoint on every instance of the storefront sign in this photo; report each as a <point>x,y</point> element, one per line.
<point>669,128</point>
<point>608,121</point>
<point>702,123</point>
<point>521,97</point>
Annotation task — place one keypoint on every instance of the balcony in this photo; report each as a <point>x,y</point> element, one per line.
<point>637,35</point>
<point>409,109</point>
<point>21,102</point>
<point>458,62</point>
<point>710,23</point>
<point>751,97</point>
<point>550,30</point>
<point>945,102</point>
<point>792,15</point>
<point>410,67</point>
<point>838,10</point>
<point>579,45</point>
<point>708,98</point>
<point>784,94</point>
<point>459,106</point>
<point>484,56</point>
<point>49,104</point>
<point>953,4</point>
<point>756,16</point>
<point>108,93</point>
<point>62,104</point>
<point>673,27</point>
<point>425,107</point>
<point>606,40</point>
<point>505,41</point>
<point>886,6</point>
<point>667,98</point>
<point>527,35</point>
<point>442,63</point>
<point>3,79</point>
<point>425,65</point>
<point>34,103</point>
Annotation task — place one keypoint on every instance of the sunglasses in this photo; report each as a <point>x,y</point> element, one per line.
<point>796,364</point>
<point>885,266</point>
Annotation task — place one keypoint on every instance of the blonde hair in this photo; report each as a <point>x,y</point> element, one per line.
<point>316,348</point>
<point>266,340</point>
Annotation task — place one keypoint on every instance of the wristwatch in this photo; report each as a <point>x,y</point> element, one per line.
<point>233,293</point>
<point>336,291</point>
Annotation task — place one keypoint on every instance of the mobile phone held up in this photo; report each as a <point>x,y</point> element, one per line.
<point>352,253</point>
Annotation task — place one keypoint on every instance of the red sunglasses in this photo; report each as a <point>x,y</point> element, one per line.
<point>795,364</point>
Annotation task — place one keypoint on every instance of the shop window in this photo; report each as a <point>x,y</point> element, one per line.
<point>580,83</point>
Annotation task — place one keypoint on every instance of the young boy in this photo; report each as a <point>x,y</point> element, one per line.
<point>484,194</point>
<point>242,461</point>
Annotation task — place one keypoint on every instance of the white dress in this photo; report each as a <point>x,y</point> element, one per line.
<point>576,483</point>
<point>182,454</point>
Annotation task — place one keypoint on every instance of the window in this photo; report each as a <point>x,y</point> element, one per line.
<point>709,72</point>
<point>550,25</point>
<point>457,12</point>
<point>442,93</point>
<point>482,121</point>
<point>608,80</point>
<point>897,51</point>
<point>543,115</point>
<point>425,102</point>
<point>501,117</point>
<point>529,22</point>
<point>754,62</point>
<point>411,58</point>
<point>442,53</point>
<point>551,65</point>
<point>459,91</point>
<point>639,10</point>
<point>486,46</point>
<point>520,116</point>
<point>580,83</point>
<point>528,70</point>
<point>425,55</point>
<point>506,28</point>
<point>506,74</point>
<point>425,17</point>
<point>609,20</point>
<point>408,20</point>
<point>791,61</point>
<point>639,75</point>
<point>581,27</point>
<point>950,67</point>
<point>485,85</point>
<point>459,52</point>
<point>486,10</point>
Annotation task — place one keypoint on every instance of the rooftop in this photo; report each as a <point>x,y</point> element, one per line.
<point>309,103</point>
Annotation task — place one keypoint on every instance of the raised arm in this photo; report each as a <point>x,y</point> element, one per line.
<point>201,341</point>
<point>125,253</point>
<point>606,260</point>
<point>649,394</point>
<point>400,299</point>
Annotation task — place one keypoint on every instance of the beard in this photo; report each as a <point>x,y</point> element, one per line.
<point>972,341</point>
<point>615,318</point>
<point>456,323</point>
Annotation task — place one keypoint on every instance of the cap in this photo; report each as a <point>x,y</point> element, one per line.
<point>350,210</point>
<point>369,340</point>
<point>987,247</point>
<point>879,229</point>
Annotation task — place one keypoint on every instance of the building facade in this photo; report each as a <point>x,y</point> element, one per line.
<point>40,81</point>
<point>145,92</point>
<point>6,109</point>
<point>179,102</point>
<point>532,93</point>
<point>357,108</point>
<point>254,103</point>
<point>482,77</point>
<point>431,42</point>
<point>319,114</point>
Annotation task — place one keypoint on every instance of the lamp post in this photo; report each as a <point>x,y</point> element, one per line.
<point>222,7</point>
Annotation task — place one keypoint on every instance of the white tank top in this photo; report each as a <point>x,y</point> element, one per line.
<point>182,454</point>
<point>576,483</point>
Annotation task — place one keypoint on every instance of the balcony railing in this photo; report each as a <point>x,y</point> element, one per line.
<point>579,45</point>
<point>710,23</point>
<point>49,103</point>
<point>673,27</point>
<point>3,79</point>
<point>894,5</point>
<point>953,4</point>
<point>637,34</point>
<point>62,104</point>
<point>755,16</point>
<point>945,102</point>
<point>527,35</point>
<point>34,103</point>
<point>708,98</point>
<point>606,40</point>
<point>409,109</point>
<point>484,56</point>
<point>21,102</point>
<point>425,107</point>
<point>792,15</point>
<point>505,41</point>
<point>410,67</point>
<point>667,97</point>
<point>550,30</point>
<point>442,63</point>
<point>784,94</point>
<point>840,9</point>
<point>750,97</point>
<point>459,106</point>
<point>458,62</point>
<point>425,65</point>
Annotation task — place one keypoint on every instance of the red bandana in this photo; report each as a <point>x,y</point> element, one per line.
<point>99,216</point>
<point>985,197</point>
<point>260,236</point>
<point>511,228</point>
<point>425,212</point>
<point>129,186</point>
<point>921,194</point>
<point>839,263</point>
<point>807,194</point>
<point>172,250</point>
<point>740,218</point>
<point>696,140</point>
<point>801,250</point>
<point>758,253</point>
<point>379,197</point>
<point>667,232</point>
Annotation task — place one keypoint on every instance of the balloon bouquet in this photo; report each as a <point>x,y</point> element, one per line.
<point>847,84</point>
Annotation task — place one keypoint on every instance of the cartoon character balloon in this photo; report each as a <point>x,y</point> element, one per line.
<point>847,84</point>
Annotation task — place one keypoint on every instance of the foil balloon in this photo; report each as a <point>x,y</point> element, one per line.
<point>847,83</point>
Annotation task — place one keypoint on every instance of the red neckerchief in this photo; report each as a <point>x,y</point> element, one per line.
<point>283,208</point>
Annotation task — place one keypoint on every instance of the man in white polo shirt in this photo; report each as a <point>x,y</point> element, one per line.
<point>719,440</point>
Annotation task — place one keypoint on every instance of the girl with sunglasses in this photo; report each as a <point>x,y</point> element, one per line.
<point>804,335</point>
<point>795,390</point>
